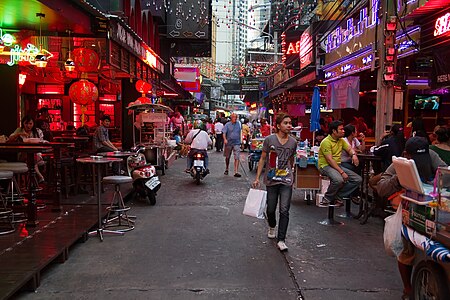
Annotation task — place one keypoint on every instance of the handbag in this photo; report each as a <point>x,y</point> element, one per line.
<point>255,204</point>
<point>392,236</point>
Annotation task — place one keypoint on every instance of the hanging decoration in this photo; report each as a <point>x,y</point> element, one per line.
<point>143,87</point>
<point>86,60</point>
<point>83,93</point>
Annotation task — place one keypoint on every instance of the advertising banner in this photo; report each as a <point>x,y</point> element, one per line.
<point>343,93</point>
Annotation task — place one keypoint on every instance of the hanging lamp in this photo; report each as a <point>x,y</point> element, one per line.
<point>69,65</point>
<point>40,59</point>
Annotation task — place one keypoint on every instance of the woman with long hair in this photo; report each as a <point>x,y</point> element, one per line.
<point>29,130</point>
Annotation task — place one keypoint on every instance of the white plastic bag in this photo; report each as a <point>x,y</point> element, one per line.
<point>255,204</point>
<point>392,235</point>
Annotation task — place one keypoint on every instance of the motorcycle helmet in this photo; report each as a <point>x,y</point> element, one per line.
<point>198,124</point>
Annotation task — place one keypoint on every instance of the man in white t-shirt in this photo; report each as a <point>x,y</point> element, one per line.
<point>199,140</point>
<point>218,127</point>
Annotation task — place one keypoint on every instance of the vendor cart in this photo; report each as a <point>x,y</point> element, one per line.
<point>426,224</point>
<point>255,152</point>
<point>151,130</point>
<point>307,176</point>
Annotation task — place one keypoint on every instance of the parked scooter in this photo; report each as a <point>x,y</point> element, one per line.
<point>145,181</point>
<point>198,169</point>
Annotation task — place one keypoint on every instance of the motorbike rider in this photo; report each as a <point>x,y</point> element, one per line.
<point>199,140</point>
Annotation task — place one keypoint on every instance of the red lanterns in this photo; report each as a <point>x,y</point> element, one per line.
<point>143,87</point>
<point>86,60</point>
<point>83,92</point>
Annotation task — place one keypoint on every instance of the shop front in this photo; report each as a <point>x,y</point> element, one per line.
<point>350,66</point>
<point>425,73</point>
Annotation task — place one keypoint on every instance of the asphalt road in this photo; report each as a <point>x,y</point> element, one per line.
<point>196,244</point>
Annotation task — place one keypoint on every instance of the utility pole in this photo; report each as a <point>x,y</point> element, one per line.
<point>385,95</point>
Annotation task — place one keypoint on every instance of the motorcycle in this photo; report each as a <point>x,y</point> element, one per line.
<point>145,181</point>
<point>198,170</point>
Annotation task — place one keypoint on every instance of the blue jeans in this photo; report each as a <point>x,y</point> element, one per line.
<point>284,193</point>
<point>190,158</point>
<point>337,186</point>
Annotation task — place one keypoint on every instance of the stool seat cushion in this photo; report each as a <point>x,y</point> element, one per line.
<point>4,174</point>
<point>117,179</point>
<point>14,169</point>
<point>13,163</point>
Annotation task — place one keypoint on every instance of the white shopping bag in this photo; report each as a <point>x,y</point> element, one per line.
<point>392,235</point>
<point>255,204</point>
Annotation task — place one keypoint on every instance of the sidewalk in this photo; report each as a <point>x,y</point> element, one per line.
<point>196,244</point>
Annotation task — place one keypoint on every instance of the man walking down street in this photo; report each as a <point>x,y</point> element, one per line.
<point>218,127</point>
<point>278,156</point>
<point>343,182</point>
<point>232,140</point>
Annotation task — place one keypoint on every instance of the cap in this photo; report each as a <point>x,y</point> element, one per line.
<point>417,145</point>
<point>418,148</point>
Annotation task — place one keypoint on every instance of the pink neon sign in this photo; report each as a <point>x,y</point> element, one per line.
<point>442,25</point>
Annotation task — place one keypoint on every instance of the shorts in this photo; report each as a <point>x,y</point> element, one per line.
<point>236,150</point>
<point>407,255</point>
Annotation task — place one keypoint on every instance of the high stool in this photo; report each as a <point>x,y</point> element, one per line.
<point>122,221</point>
<point>6,214</point>
<point>330,221</point>
<point>14,193</point>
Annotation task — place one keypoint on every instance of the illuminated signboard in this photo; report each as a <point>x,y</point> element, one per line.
<point>357,62</point>
<point>9,46</point>
<point>356,34</point>
<point>442,25</point>
<point>290,47</point>
<point>306,49</point>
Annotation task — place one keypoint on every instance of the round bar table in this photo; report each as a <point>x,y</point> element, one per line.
<point>30,150</point>
<point>118,154</point>
<point>96,161</point>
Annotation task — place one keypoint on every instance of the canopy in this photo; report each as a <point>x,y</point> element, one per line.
<point>150,106</point>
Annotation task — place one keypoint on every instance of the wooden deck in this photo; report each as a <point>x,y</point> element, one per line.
<point>25,253</point>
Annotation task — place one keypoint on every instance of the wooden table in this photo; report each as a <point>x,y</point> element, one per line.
<point>96,162</point>
<point>365,209</point>
<point>30,150</point>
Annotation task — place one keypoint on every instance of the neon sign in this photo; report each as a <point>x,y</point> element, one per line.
<point>355,27</point>
<point>293,48</point>
<point>16,52</point>
<point>442,25</point>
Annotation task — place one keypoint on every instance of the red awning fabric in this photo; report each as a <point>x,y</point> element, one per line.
<point>429,8</point>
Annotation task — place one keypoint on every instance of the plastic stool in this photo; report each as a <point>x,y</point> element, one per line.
<point>122,221</point>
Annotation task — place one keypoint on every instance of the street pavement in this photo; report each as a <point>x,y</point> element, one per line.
<point>196,244</point>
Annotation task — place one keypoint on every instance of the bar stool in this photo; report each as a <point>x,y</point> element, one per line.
<point>14,193</point>
<point>122,221</point>
<point>330,221</point>
<point>6,214</point>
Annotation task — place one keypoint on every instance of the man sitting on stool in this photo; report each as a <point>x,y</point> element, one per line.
<point>343,182</point>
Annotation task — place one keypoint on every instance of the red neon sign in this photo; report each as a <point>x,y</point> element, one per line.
<point>442,25</point>
<point>293,48</point>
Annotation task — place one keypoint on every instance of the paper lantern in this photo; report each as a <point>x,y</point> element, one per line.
<point>143,87</point>
<point>83,92</point>
<point>86,60</point>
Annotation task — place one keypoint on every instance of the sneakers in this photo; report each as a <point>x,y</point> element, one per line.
<point>271,234</point>
<point>237,175</point>
<point>282,246</point>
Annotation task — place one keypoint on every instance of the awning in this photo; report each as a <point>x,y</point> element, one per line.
<point>171,89</point>
<point>304,77</point>
<point>428,8</point>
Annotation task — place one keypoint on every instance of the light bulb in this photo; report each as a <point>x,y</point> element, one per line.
<point>69,65</point>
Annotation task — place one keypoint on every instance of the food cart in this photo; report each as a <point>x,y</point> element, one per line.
<point>307,176</point>
<point>151,130</point>
<point>426,224</point>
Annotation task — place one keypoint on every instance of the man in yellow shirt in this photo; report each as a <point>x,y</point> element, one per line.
<point>342,180</point>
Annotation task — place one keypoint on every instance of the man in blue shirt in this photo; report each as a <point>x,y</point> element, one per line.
<point>232,141</point>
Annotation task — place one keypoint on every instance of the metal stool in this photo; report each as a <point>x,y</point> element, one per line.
<point>6,214</point>
<point>14,194</point>
<point>122,221</point>
<point>330,221</point>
